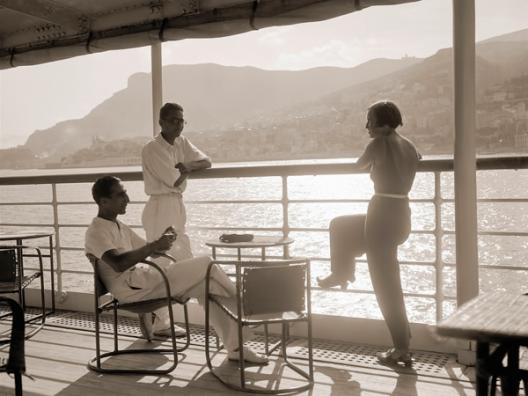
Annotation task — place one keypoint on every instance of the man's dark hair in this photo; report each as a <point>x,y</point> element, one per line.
<point>386,113</point>
<point>102,187</point>
<point>168,108</point>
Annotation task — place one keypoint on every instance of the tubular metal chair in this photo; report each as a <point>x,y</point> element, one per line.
<point>15,363</point>
<point>268,292</point>
<point>11,261</point>
<point>139,307</point>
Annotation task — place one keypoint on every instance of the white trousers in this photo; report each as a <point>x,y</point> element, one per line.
<point>162,211</point>
<point>186,279</point>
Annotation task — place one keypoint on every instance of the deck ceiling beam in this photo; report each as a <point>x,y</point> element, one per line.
<point>48,11</point>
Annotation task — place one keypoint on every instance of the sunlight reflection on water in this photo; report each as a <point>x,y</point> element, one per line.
<point>495,250</point>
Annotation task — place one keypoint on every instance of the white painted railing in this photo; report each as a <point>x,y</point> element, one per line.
<point>284,172</point>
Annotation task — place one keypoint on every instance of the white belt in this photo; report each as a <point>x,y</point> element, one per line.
<point>397,196</point>
<point>167,194</point>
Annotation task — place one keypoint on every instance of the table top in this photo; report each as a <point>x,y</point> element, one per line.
<point>259,241</point>
<point>25,235</point>
<point>490,317</point>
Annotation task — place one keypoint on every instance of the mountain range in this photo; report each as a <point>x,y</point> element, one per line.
<point>224,101</point>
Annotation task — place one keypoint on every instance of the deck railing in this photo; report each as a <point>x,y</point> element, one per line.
<point>437,167</point>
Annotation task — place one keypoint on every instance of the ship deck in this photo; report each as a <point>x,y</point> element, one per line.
<point>56,359</point>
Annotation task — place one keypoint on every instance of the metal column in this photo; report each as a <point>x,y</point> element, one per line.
<point>157,84</point>
<point>465,160</point>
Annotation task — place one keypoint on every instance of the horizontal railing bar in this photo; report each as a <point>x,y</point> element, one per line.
<point>487,200</point>
<point>25,225</point>
<point>503,267</point>
<point>296,201</point>
<point>303,201</point>
<point>503,233</point>
<point>358,200</point>
<point>238,201</point>
<point>365,291</point>
<point>80,225</point>
<point>362,261</point>
<point>494,266</point>
<point>234,228</point>
<point>25,203</point>
<point>492,233</point>
<point>320,229</point>
<point>292,229</point>
<point>505,200</point>
<point>428,165</point>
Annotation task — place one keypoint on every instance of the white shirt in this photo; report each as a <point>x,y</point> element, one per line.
<point>159,159</point>
<point>103,235</point>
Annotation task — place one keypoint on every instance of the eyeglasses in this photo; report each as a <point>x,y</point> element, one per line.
<point>174,120</point>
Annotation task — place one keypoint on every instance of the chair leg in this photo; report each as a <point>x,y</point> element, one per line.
<point>18,383</point>
<point>96,365</point>
<point>97,340</point>
<point>493,386</point>
<point>187,330</point>
<point>116,342</point>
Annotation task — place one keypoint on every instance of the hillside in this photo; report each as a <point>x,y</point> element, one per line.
<point>215,97</point>
<point>244,113</point>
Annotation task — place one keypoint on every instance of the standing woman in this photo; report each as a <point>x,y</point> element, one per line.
<point>392,160</point>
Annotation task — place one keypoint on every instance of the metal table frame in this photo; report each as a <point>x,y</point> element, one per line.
<point>498,322</point>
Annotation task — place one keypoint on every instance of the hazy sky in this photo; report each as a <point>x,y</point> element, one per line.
<point>38,97</point>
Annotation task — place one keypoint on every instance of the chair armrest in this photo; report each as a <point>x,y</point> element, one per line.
<point>19,264</point>
<point>168,256</point>
<point>22,247</point>
<point>163,276</point>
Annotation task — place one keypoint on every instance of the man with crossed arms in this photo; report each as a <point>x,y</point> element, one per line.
<point>167,161</point>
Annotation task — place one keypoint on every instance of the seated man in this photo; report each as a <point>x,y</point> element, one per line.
<point>120,250</point>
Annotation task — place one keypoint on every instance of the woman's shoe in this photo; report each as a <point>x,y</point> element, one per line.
<point>394,357</point>
<point>331,281</point>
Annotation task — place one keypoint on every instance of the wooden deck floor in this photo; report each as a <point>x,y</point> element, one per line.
<point>56,359</point>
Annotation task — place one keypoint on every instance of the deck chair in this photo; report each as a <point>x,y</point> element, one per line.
<point>15,363</point>
<point>139,307</point>
<point>268,292</point>
<point>14,280</point>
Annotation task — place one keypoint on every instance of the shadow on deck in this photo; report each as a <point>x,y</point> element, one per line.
<point>57,356</point>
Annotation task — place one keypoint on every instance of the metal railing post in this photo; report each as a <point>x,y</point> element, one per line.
<point>157,84</point>
<point>285,215</point>
<point>439,234</point>
<point>58,261</point>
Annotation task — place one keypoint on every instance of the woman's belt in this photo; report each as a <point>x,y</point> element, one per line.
<point>167,194</point>
<point>397,196</point>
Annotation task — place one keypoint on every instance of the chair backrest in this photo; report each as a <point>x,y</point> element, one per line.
<point>16,362</point>
<point>274,289</point>
<point>8,265</point>
<point>99,287</point>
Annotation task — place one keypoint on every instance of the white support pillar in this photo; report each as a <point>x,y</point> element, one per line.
<point>465,160</point>
<point>157,84</point>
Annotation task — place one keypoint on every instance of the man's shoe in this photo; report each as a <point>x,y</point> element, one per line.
<point>178,332</point>
<point>249,356</point>
<point>145,325</point>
